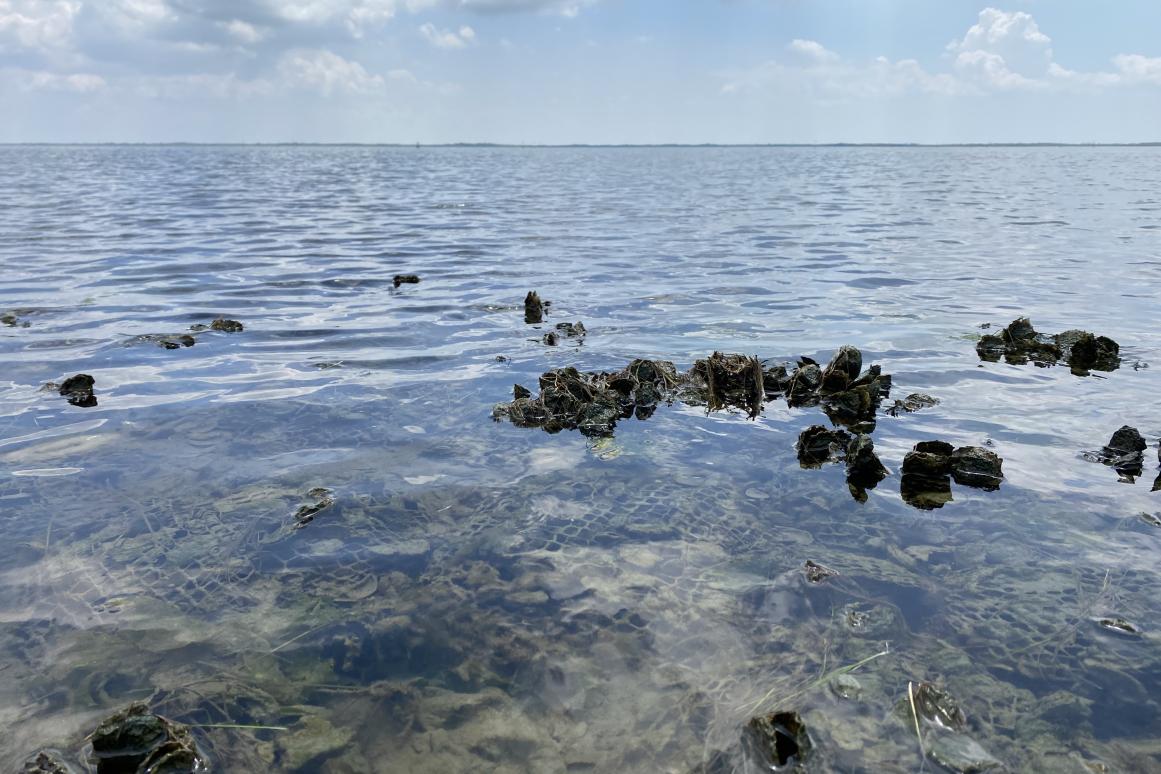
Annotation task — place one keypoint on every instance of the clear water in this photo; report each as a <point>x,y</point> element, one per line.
<point>485,597</point>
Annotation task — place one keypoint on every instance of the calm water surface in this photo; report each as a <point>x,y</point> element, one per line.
<point>481,597</point>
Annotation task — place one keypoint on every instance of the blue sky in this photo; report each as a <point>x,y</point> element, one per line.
<point>565,71</point>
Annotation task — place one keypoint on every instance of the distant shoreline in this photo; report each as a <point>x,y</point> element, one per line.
<point>1156,144</point>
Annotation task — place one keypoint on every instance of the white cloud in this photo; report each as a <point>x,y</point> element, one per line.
<point>39,80</point>
<point>37,24</point>
<point>447,38</point>
<point>1004,50</point>
<point>370,13</point>
<point>319,71</point>
<point>1071,80</point>
<point>135,14</point>
<point>67,34</point>
<point>356,15</point>
<point>198,50</point>
<point>1135,68</point>
<point>327,73</point>
<point>194,86</point>
<point>406,78</point>
<point>824,76</point>
<point>811,51</point>
<point>243,32</point>
<point>992,70</point>
<point>359,15</point>
<point>1007,51</point>
<point>133,22</point>
<point>1013,35</point>
<point>82,82</point>
<point>322,11</point>
<point>569,8</point>
<point>903,76</point>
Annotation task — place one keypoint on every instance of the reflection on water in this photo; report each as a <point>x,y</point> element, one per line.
<point>308,540</point>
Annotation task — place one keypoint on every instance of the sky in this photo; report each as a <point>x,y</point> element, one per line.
<point>580,71</point>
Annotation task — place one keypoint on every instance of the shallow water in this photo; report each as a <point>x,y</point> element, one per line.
<point>485,597</point>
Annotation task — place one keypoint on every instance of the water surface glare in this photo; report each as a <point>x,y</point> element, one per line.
<point>472,596</point>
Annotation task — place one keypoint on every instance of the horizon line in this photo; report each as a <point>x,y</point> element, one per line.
<point>1154,143</point>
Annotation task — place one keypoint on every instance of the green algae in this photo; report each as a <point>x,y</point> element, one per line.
<point>309,743</point>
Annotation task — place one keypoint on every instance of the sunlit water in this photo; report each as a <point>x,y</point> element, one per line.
<point>482,597</point>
